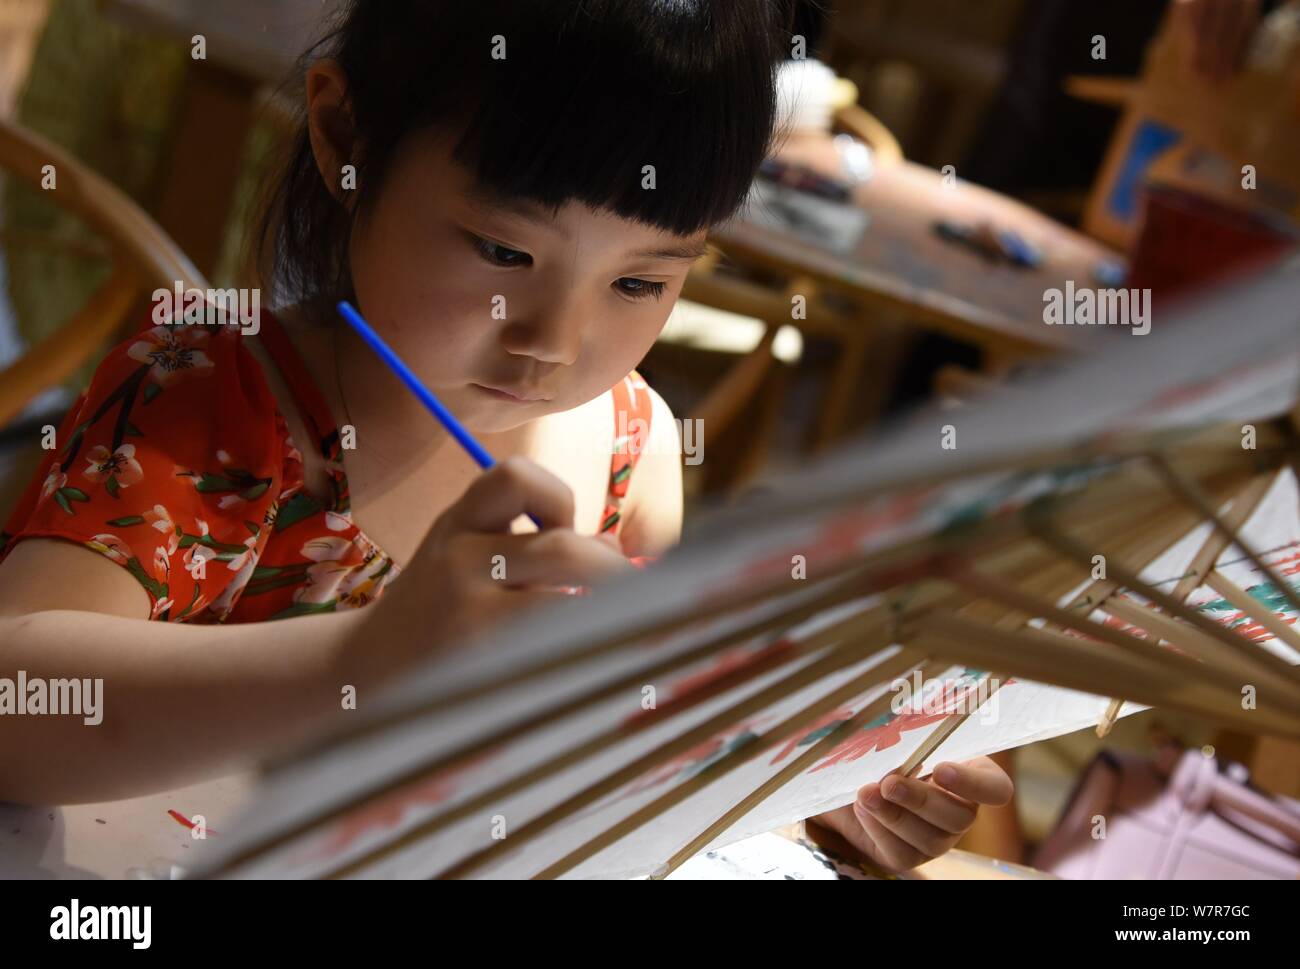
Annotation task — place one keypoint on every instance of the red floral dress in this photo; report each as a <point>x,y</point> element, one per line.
<point>177,464</point>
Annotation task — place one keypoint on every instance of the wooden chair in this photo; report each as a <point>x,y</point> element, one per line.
<point>863,125</point>
<point>731,397</point>
<point>144,259</point>
<point>1206,132</point>
<point>712,284</point>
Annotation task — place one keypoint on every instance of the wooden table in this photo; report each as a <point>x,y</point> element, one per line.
<point>906,279</point>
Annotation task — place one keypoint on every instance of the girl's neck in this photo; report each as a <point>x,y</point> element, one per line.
<point>396,438</point>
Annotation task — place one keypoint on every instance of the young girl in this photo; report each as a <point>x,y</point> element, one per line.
<point>512,194</point>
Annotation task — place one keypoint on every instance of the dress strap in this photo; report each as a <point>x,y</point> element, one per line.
<point>311,404</point>
<point>632,412</point>
<point>313,408</point>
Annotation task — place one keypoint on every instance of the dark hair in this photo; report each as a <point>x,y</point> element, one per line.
<point>588,92</point>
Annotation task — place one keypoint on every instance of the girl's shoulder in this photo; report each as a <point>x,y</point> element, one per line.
<point>169,464</point>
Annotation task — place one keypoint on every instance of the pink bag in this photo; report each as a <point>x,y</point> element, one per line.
<point>1192,823</point>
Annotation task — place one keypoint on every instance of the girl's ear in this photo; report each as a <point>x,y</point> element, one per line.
<point>329,125</point>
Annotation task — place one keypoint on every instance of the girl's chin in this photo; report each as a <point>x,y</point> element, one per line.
<point>493,417</point>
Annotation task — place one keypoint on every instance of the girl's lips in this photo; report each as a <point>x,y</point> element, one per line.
<point>518,397</point>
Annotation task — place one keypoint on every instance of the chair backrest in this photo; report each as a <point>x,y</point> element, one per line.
<point>144,259</point>
<point>860,123</point>
<point>1180,129</point>
<point>136,239</point>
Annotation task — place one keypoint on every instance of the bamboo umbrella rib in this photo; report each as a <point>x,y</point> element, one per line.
<point>426,768</point>
<point>861,628</point>
<point>1259,657</point>
<point>897,666</point>
<point>1044,655</point>
<point>774,783</point>
<point>1238,513</point>
<point>1253,608</point>
<point>1189,492</point>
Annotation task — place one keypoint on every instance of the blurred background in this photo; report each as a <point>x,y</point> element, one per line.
<point>941,164</point>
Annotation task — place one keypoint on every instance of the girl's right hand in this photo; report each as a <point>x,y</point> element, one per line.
<point>471,572</point>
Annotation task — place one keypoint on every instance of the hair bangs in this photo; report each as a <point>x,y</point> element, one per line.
<point>634,111</point>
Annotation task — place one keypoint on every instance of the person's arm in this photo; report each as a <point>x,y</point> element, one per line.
<point>182,701</point>
<point>178,701</point>
<point>652,510</point>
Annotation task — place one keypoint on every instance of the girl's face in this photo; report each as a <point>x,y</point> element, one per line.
<point>506,311</point>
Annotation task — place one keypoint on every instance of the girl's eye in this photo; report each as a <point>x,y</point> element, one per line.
<point>500,255</point>
<point>640,288</point>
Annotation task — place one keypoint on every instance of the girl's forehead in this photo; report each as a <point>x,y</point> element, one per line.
<point>432,172</point>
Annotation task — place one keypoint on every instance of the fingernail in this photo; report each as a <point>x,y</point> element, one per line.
<point>873,803</point>
<point>945,775</point>
<point>897,792</point>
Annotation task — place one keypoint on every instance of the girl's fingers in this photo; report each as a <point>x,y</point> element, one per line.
<point>516,486</point>
<point>901,843</point>
<point>876,839</point>
<point>552,558</point>
<point>979,780</point>
<point>931,803</point>
<point>917,832</point>
<point>903,822</point>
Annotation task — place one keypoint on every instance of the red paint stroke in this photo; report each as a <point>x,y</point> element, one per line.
<point>880,737</point>
<point>182,819</point>
<point>1237,622</point>
<point>690,760</point>
<point>1287,564</point>
<point>888,730</point>
<point>1252,630</point>
<point>387,811</point>
<point>836,538</point>
<point>803,734</point>
<point>731,668</point>
<point>1187,392</point>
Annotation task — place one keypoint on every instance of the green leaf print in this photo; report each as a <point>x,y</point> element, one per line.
<point>193,599</point>
<point>300,506</point>
<point>156,588</point>
<point>305,609</point>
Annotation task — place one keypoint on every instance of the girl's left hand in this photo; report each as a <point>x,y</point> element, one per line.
<point>903,822</point>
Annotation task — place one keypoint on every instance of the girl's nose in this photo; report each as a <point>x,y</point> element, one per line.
<point>550,334</point>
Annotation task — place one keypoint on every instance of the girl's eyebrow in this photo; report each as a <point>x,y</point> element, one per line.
<point>537,214</point>
<point>523,208</point>
<point>686,250</point>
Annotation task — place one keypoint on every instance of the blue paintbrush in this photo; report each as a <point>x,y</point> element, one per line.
<point>425,395</point>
